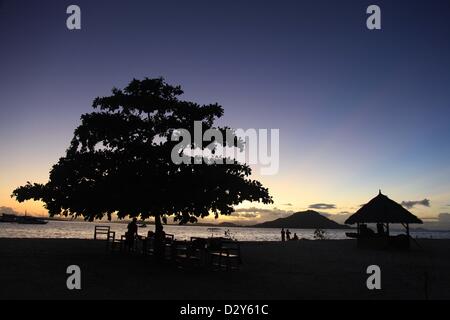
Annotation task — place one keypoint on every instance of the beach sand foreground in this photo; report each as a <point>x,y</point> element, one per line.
<point>36,269</point>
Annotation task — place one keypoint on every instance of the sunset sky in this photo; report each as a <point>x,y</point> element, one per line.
<point>357,110</point>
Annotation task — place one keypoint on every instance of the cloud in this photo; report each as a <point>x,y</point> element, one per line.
<point>338,217</point>
<point>429,219</point>
<point>287,204</point>
<point>439,222</point>
<point>327,214</point>
<point>444,217</point>
<point>322,206</point>
<point>412,204</point>
<point>261,213</point>
<point>246,215</point>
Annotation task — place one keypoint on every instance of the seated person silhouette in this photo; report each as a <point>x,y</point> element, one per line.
<point>131,234</point>
<point>148,243</point>
<point>380,229</point>
<point>365,231</point>
<point>295,237</point>
<point>162,236</point>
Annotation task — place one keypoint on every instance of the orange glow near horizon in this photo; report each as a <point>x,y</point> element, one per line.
<point>300,185</point>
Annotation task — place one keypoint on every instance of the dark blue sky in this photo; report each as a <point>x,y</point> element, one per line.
<point>357,110</point>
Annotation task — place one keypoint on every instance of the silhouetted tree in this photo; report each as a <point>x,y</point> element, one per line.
<point>320,234</point>
<point>119,162</point>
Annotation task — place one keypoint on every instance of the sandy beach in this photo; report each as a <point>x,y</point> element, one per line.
<point>36,268</point>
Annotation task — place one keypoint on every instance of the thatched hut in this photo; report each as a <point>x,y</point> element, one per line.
<point>382,211</point>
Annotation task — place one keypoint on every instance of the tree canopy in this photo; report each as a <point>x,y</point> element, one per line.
<point>119,162</point>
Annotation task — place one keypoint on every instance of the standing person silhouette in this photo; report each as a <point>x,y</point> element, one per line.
<point>283,235</point>
<point>132,233</point>
<point>288,235</point>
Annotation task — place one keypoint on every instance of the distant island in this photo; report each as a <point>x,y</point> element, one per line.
<point>309,219</point>
<point>217,225</point>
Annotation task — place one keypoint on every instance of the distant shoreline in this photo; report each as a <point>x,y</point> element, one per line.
<point>416,230</point>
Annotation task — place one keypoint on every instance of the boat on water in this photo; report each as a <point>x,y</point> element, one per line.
<point>353,235</point>
<point>8,218</point>
<point>30,220</point>
<point>12,218</point>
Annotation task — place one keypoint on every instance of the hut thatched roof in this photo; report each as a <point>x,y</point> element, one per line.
<point>381,209</point>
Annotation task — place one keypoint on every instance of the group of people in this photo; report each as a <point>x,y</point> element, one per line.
<point>286,235</point>
<point>365,231</point>
<point>132,234</point>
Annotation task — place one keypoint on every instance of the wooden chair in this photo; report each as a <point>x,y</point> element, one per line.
<point>190,253</point>
<point>149,246</point>
<point>169,247</point>
<point>100,231</point>
<point>180,252</point>
<point>111,240</point>
<point>224,254</point>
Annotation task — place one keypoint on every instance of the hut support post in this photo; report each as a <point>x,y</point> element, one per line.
<point>406,226</point>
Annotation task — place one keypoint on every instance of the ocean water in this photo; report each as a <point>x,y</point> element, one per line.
<point>85,230</point>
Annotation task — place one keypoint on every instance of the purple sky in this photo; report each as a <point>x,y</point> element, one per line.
<point>357,110</point>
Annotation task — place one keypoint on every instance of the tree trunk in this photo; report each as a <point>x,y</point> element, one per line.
<point>159,238</point>
<point>158,225</point>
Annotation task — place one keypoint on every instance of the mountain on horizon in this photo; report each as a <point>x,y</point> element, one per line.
<point>309,219</point>
<point>218,225</point>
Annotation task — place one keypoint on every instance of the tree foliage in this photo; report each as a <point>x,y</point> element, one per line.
<point>119,162</point>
